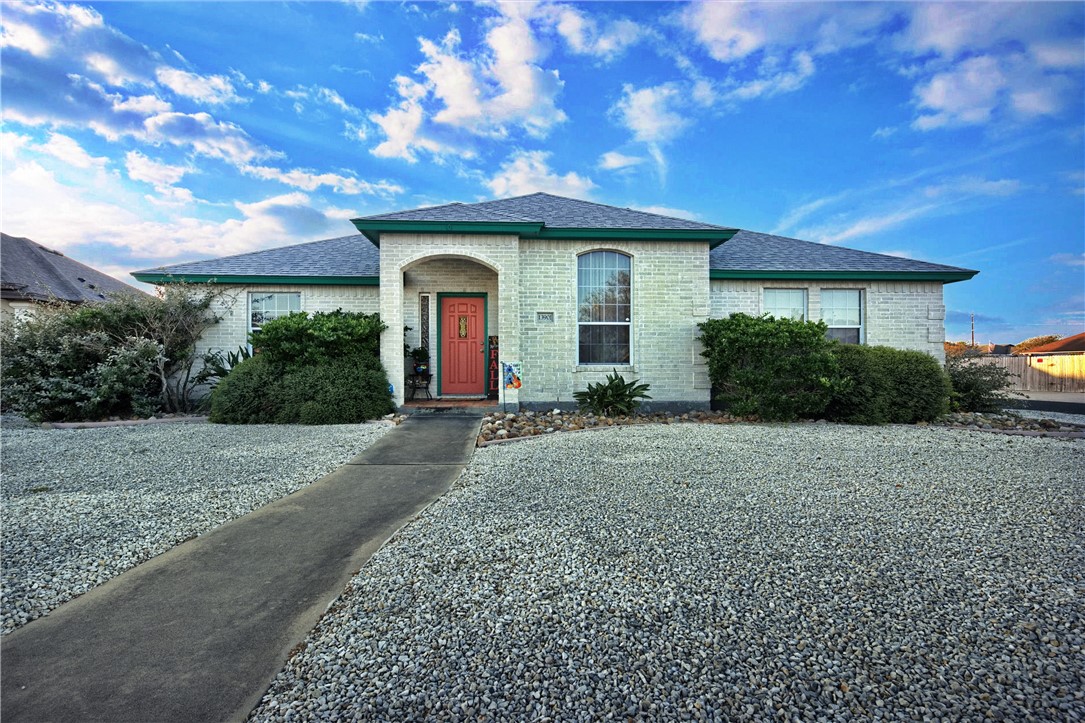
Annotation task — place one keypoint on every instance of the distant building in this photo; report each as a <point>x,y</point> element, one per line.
<point>32,274</point>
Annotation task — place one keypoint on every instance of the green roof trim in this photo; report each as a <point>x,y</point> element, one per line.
<point>150,278</point>
<point>372,229</point>
<point>947,277</point>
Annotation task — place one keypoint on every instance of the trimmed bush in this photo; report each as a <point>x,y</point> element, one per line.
<point>884,385</point>
<point>337,392</point>
<point>614,397</point>
<point>978,387</point>
<point>777,369</point>
<point>299,340</point>
<point>248,394</point>
<point>322,369</point>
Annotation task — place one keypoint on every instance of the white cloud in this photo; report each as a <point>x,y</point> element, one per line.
<point>402,126</point>
<point>141,104</point>
<point>837,233</point>
<point>452,80</point>
<point>965,95</point>
<point>669,211</point>
<point>215,139</point>
<point>615,161</point>
<point>309,181</point>
<point>1069,259</point>
<point>1059,54</point>
<point>21,36</point>
<point>586,36</point>
<point>529,172</point>
<point>775,83</point>
<point>884,132</point>
<point>490,93</point>
<point>975,186</point>
<point>142,168</point>
<point>649,113</point>
<point>66,149</point>
<point>212,89</point>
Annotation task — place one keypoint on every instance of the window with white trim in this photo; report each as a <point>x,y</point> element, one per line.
<point>842,311</point>
<point>267,305</point>
<point>604,312</point>
<point>785,303</point>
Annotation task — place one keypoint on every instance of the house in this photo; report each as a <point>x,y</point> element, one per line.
<point>569,290</point>
<point>31,274</point>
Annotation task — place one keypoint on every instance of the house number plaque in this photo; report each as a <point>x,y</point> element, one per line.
<point>463,327</point>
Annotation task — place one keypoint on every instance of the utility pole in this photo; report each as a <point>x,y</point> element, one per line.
<point>973,315</point>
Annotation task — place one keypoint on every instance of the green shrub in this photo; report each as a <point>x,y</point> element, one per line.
<point>778,369</point>
<point>885,385</point>
<point>248,394</point>
<point>132,354</point>
<point>336,379</point>
<point>337,392</point>
<point>614,397</point>
<point>300,340</point>
<point>978,387</point>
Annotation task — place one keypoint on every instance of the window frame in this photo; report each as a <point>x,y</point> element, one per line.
<point>252,329</point>
<point>627,323</point>
<point>860,327</point>
<point>805,300</point>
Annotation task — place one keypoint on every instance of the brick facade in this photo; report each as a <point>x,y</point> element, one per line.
<point>233,308</point>
<point>531,292</point>
<point>901,314</point>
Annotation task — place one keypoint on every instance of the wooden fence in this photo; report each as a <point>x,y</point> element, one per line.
<point>1043,373</point>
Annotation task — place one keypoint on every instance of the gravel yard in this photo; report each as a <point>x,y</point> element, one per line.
<point>82,506</point>
<point>746,572</point>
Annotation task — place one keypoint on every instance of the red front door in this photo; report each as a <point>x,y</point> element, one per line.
<point>463,334</point>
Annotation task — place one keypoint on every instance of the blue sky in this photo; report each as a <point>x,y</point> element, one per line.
<point>141,134</point>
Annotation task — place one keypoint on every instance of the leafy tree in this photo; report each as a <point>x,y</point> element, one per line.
<point>132,354</point>
<point>1033,342</point>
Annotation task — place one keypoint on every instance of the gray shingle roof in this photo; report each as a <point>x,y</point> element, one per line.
<point>752,251</point>
<point>33,272</point>
<point>553,211</point>
<point>343,256</point>
<point>462,212</point>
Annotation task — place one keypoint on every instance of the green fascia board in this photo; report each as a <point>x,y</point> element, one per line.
<point>237,279</point>
<point>714,238</point>
<point>373,229</point>
<point>947,277</point>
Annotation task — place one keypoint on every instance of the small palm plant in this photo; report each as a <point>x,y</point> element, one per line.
<point>614,397</point>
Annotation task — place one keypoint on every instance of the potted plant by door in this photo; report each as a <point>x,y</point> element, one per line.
<point>420,355</point>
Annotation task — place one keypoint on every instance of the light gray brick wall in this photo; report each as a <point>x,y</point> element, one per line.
<point>411,260</point>
<point>233,308</point>
<point>900,314</point>
<point>440,276</point>
<point>669,298</point>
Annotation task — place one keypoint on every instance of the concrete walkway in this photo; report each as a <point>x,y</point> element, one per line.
<point>1064,402</point>
<point>198,633</point>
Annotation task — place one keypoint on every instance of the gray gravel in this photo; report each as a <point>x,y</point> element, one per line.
<point>746,572</point>
<point>82,506</point>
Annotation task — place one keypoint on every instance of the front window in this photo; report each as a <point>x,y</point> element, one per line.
<point>265,306</point>
<point>842,311</point>
<point>604,312</point>
<point>786,303</point>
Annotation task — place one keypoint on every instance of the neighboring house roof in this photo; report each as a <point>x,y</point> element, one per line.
<point>32,272</point>
<point>748,254</point>
<point>759,256</point>
<point>541,215</point>
<point>1075,343</point>
<point>343,260</point>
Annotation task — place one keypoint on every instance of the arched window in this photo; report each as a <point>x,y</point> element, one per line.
<point>604,313</point>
